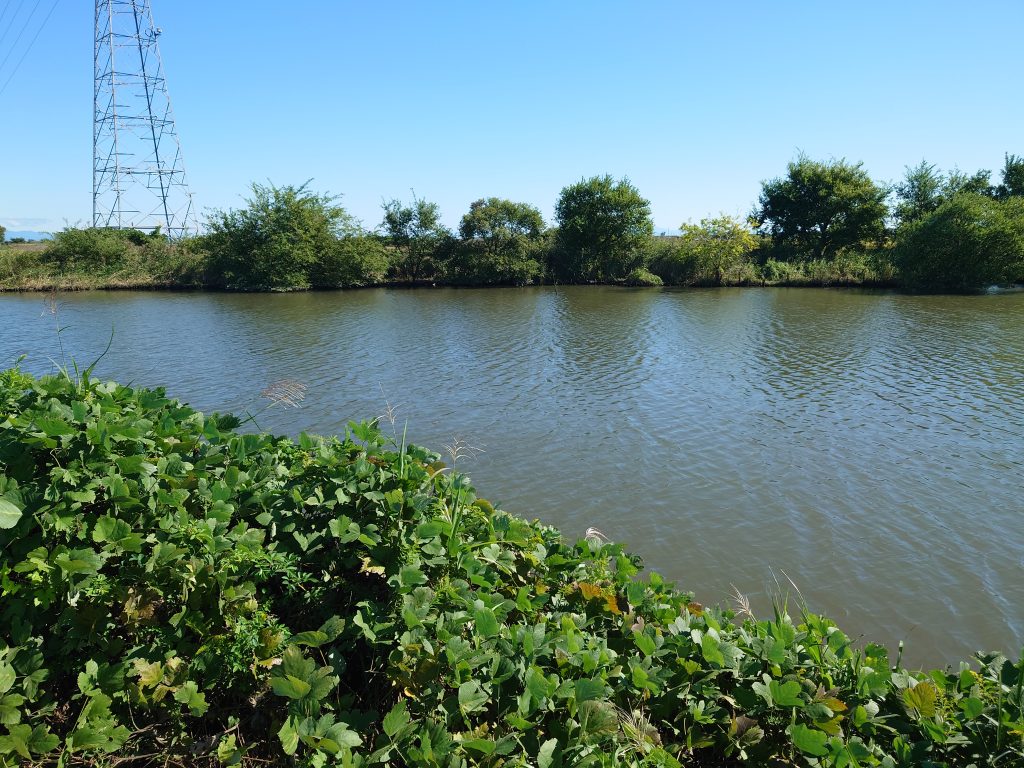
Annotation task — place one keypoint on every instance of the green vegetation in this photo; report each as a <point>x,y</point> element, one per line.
<point>819,209</point>
<point>967,241</point>
<point>823,223</point>
<point>78,259</point>
<point>501,242</point>
<point>176,592</point>
<point>603,227</point>
<point>418,238</point>
<point>715,252</point>
<point>289,238</point>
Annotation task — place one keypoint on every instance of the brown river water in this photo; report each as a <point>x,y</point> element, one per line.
<point>867,448</point>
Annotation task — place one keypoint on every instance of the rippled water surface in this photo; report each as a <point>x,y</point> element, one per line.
<point>869,447</point>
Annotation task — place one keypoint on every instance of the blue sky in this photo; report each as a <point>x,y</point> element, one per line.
<point>695,102</point>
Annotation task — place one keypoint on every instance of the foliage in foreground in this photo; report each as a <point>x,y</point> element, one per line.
<point>175,592</point>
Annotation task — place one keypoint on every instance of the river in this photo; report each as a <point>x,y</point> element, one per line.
<point>866,447</point>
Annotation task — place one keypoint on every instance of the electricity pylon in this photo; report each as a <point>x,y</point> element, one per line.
<point>138,176</point>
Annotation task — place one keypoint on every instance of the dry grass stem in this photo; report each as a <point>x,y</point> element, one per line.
<point>286,392</point>
<point>460,449</point>
<point>742,602</point>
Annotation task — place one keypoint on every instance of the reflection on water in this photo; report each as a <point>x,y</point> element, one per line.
<point>868,446</point>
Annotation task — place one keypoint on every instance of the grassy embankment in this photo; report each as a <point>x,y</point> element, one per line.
<point>35,267</point>
<point>158,265</point>
<point>177,593</point>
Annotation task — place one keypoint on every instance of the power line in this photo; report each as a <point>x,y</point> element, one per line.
<point>13,19</point>
<point>25,54</point>
<point>3,13</point>
<point>20,34</point>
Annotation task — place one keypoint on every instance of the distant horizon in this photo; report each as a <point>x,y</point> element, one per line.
<point>695,105</point>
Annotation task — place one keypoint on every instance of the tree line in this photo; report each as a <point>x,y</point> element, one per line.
<point>821,222</point>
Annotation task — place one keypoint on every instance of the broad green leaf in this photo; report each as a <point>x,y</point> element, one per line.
<point>711,651</point>
<point>586,690</point>
<point>411,576</point>
<point>7,677</point>
<point>79,561</point>
<point>149,674</point>
<point>483,746</point>
<point>396,719</point>
<point>472,697</point>
<point>935,731</point>
<point>16,740</point>
<point>289,686</point>
<point>190,696</point>
<point>539,686</point>
<point>10,514</point>
<point>295,664</point>
<point>289,736</point>
<point>55,427</point>
<point>42,741</point>
<point>645,643</point>
<point>110,529</point>
<point>312,639</point>
<point>546,755</point>
<point>787,694</point>
<point>333,627</point>
<point>486,622</point>
<point>228,752</point>
<point>808,740</point>
<point>10,709</point>
<point>921,698</point>
<point>972,707</point>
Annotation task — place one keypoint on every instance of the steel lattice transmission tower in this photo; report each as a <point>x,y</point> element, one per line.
<point>138,176</point>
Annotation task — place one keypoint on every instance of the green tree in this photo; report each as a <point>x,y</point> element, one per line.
<point>819,208</point>
<point>1013,178</point>
<point>921,192</point>
<point>968,242</point>
<point>501,241</point>
<point>277,240</point>
<point>719,247</point>
<point>417,235</point>
<point>604,227</point>
<point>354,259</point>
<point>3,233</point>
<point>978,183</point>
<point>713,252</point>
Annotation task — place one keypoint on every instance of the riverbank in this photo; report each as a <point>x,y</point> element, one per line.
<point>353,599</point>
<point>28,268</point>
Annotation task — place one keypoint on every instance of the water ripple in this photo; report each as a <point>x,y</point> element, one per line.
<point>870,446</point>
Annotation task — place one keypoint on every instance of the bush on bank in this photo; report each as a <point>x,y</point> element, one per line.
<point>177,592</point>
<point>100,257</point>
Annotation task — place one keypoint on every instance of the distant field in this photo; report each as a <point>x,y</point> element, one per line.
<point>28,247</point>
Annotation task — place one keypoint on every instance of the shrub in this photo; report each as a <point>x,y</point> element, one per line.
<point>93,248</point>
<point>351,261</point>
<point>176,592</point>
<point>670,262</point>
<point>15,263</point>
<point>277,240</point>
<point>780,271</point>
<point>642,278</point>
<point>473,262</point>
<point>967,243</point>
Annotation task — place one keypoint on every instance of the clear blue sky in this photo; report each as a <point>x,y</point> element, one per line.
<point>695,102</point>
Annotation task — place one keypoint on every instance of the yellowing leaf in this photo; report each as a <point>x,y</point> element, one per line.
<point>590,591</point>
